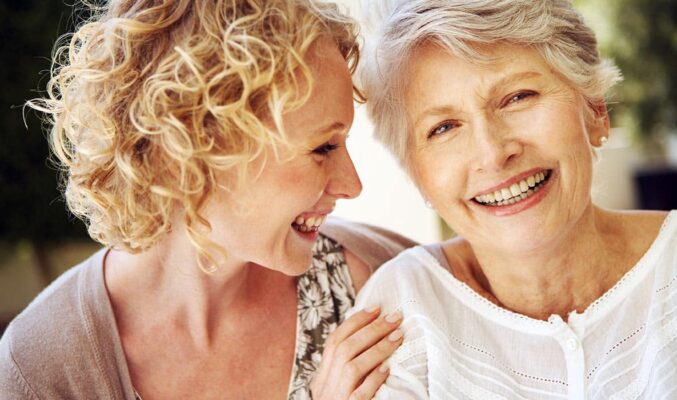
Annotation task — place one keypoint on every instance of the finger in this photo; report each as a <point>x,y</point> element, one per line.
<point>368,336</point>
<point>354,324</point>
<point>363,351</point>
<point>347,328</point>
<point>371,384</point>
<point>375,355</point>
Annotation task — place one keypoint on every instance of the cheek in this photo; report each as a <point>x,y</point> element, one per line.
<point>555,126</point>
<point>566,142</point>
<point>298,184</point>
<point>438,173</point>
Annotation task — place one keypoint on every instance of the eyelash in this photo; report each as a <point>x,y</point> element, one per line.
<point>325,149</point>
<point>517,97</point>
<point>434,131</point>
<point>520,96</point>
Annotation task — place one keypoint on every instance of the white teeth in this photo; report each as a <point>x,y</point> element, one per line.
<point>309,224</point>
<point>513,194</point>
<point>523,186</point>
<point>515,190</point>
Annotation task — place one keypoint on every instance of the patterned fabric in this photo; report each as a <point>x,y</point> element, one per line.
<point>325,294</point>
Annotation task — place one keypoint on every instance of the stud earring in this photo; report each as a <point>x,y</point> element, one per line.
<point>428,203</point>
<point>603,140</point>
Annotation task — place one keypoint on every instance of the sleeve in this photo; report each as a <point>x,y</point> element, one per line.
<point>408,376</point>
<point>12,383</point>
<point>401,385</point>
<point>372,244</point>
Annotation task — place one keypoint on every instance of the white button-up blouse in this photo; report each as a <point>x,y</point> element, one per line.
<point>458,345</point>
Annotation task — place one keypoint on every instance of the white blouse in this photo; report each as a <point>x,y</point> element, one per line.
<point>458,345</point>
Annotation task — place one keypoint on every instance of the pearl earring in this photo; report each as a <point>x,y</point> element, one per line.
<point>428,203</point>
<point>603,140</point>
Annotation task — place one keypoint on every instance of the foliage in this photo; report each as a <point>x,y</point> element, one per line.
<point>642,39</point>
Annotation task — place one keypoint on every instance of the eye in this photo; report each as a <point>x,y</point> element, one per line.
<point>518,97</point>
<point>442,128</point>
<point>325,149</point>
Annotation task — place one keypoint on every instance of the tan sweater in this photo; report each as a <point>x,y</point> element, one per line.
<point>65,344</point>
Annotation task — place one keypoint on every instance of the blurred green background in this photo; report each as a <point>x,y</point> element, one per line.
<point>39,239</point>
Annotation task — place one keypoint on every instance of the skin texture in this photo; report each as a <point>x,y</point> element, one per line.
<point>188,334</point>
<point>475,126</point>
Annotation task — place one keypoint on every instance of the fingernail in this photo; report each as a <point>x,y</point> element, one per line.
<point>372,308</point>
<point>395,336</point>
<point>394,317</point>
<point>383,369</point>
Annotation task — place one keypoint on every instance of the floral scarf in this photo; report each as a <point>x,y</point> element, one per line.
<point>325,294</point>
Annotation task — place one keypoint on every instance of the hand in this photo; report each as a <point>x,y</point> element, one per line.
<point>352,364</point>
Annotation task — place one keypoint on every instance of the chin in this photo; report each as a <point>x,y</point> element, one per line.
<point>298,265</point>
<point>529,241</point>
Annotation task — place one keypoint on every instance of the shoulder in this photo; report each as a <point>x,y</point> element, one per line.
<point>645,223</point>
<point>49,338</point>
<point>366,247</point>
<point>42,318</point>
<point>642,230</point>
<point>408,277</point>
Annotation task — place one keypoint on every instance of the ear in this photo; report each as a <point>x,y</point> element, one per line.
<point>598,126</point>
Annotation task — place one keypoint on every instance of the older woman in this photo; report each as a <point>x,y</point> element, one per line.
<point>495,108</point>
<point>203,143</point>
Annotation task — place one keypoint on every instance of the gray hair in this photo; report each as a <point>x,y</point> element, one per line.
<point>396,27</point>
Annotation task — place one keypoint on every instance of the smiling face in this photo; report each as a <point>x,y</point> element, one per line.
<point>272,221</point>
<point>501,150</point>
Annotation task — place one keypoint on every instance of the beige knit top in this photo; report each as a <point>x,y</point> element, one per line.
<point>65,344</point>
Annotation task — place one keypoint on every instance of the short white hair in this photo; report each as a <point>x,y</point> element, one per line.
<point>394,28</point>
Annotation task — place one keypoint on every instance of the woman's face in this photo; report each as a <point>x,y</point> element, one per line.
<point>272,221</point>
<point>502,151</point>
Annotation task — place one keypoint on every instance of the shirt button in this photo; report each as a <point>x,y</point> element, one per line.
<point>572,344</point>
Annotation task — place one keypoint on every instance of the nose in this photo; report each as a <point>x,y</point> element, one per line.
<point>495,145</point>
<point>344,182</point>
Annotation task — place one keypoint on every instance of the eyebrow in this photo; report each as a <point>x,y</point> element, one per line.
<point>506,80</point>
<point>336,126</point>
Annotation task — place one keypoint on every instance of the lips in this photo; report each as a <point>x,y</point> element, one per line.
<point>518,190</point>
<point>309,223</point>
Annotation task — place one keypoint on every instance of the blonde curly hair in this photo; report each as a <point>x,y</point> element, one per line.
<point>149,98</point>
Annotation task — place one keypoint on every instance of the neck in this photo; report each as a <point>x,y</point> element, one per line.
<point>165,285</point>
<point>558,278</point>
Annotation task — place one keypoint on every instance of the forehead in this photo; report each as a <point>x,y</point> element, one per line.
<point>331,98</point>
<point>434,68</point>
<point>329,102</point>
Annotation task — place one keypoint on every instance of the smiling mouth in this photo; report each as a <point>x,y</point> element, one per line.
<point>309,223</point>
<point>516,192</point>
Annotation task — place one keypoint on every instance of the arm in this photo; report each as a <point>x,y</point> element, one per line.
<point>12,383</point>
